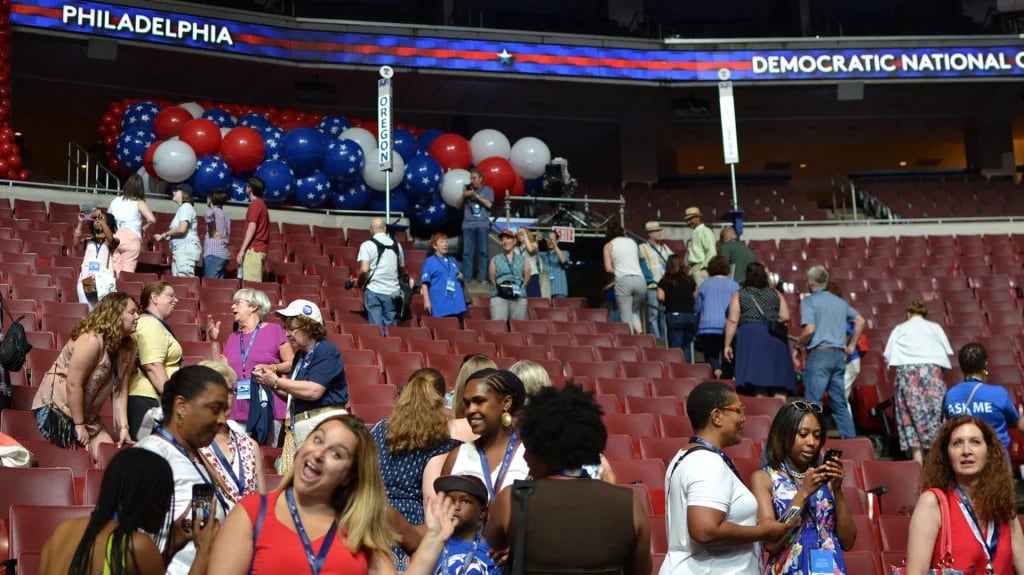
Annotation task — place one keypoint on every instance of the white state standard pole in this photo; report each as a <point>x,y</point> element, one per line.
<point>384,123</point>
<point>730,139</point>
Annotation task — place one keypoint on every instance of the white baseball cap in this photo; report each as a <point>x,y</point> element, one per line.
<point>303,307</point>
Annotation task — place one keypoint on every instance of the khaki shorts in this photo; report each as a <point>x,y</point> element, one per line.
<point>252,265</point>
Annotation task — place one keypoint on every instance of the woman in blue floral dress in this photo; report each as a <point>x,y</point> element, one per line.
<point>796,476</point>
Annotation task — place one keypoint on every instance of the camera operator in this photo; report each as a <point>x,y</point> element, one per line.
<point>477,201</point>
<point>96,277</point>
<point>381,267</point>
<point>555,261</point>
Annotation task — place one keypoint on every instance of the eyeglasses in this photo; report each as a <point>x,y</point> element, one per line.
<point>292,328</point>
<point>807,406</point>
<point>736,408</point>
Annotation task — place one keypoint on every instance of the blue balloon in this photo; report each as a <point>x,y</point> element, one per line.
<point>428,217</point>
<point>423,176</point>
<point>344,159</point>
<point>404,143</point>
<point>140,116</point>
<point>211,174</point>
<point>427,138</point>
<point>399,201</point>
<point>219,117</point>
<point>237,193</point>
<point>278,181</point>
<point>353,195</point>
<point>311,191</point>
<point>131,147</point>
<point>304,150</point>
<point>333,126</point>
<point>254,121</point>
<point>273,140</point>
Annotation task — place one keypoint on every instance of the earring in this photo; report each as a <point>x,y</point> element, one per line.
<point>506,419</point>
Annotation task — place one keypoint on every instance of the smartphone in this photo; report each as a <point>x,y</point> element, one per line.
<point>202,503</point>
<point>790,514</point>
<point>86,216</point>
<point>833,454</point>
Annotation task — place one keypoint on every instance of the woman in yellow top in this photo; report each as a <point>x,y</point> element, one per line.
<point>117,537</point>
<point>160,353</point>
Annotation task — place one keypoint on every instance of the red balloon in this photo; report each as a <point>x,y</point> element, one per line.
<point>6,148</point>
<point>14,161</point>
<point>23,175</point>
<point>202,135</point>
<point>170,121</point>
<point>147,158</point>
<point>4,168</point>
<point>452,152</point>
<point>518,188</point>
<point>242,149</point>
<point>291,125</point>
<point>498,174</point>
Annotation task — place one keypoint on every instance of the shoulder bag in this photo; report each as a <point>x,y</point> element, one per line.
<point>775,327</point>
<point>944,542</point>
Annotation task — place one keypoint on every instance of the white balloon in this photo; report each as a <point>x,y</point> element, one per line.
<point>376,179</point>
<point>365,140</point>
<point>489,144</point>
<point>224,132</point>
<point>193,108</point>
<point>174,161</point>
<point>529,156</point>
<point>454,183</point>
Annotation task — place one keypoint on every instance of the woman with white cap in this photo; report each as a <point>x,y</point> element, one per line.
<point>316,385</point>
<point>183,234</point>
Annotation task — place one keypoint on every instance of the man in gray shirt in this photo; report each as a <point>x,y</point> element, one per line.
<point>476,202</point>
<point>740,256</point>
<point>824,318</point>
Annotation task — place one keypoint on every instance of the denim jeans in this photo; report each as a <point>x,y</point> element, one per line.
<point>380,308</point>
<point>825,372</point>
<point>474,241</point>
<point>213,267</point>
<point>655,316</point>
<point>680,329</point>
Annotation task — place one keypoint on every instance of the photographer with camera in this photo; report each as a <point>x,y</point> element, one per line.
<point>381,267</point>
<point>555,261</point>
<point>476,201</point>
<point>96,278</point>
<point>509,272</point>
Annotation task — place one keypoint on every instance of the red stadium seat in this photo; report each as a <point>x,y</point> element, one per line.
<point>858,449</point>
<point>79,461</point>
<point>639,340</point>
<point>371,413</point>
<point>649,472</point>
<point>654,405</point>
<point>597,315</point>
<point>756,428</point>
<point>619,354</point>
<point>530,352</point>
<point>635,425</point>
<point>698,371</point>
<point>380,344</point>
<point>364,374</point>
<point>619,447</point>
<point>679,388</point>
<point>428,346</point>
<point>649,370</point>
<point>622,387</point>
<point>903,480</point>
<point>862,563</point>
<point>31,525</point>
<point>20,424</point>
<point>762,405</point>
<point>382,394</point>
<point>548,340</point>
<point>666,355</point>
<point>479,347</point>
<point>663,448</point>
<point>500,338</point>
<point>608,403</point>
<point>676,426</point>
<point>894,530</point>
<point>744,449</point>
<point>592,369</point>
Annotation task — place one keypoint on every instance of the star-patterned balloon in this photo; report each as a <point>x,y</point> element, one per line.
<point>273,138</point>
<point>237,193</point>
<point>350,195</point>
<point>220,117</point>
<point>311,191</point>
<point>423,176</point>
<point>278,179</point>
<point>139,116</point>
<point>131,147</point>
<point>333,126</point>
<point>344,160</point>
<point>254,121</point>
<point>399,201</point>
<point>428,216</point>
<point>211,174</point>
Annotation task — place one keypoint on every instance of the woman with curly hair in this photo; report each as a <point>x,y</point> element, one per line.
<point>412,445</point>
<point>966,471</point>
<point>97,360</point>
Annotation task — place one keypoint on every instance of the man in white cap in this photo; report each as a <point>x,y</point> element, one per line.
<point>655,254</point>
<point>701,248</point>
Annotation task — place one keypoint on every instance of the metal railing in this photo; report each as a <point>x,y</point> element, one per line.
<point>84,174</point>
<point>558,203</point>
<point>842,189</point>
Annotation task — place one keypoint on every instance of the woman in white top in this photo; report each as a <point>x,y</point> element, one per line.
<point>133,216</point>
<point>96,261</point>
<point>527,245</point>
<point>491,400</point>
<point>919,350</point>
<point>183,233</point>
<point>622,259</point>
<point>711,515</point>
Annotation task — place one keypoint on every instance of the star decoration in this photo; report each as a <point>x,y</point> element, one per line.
<point>505,58</point>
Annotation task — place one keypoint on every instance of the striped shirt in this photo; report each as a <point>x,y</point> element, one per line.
<point>217,220</point>
<point>713,298</point>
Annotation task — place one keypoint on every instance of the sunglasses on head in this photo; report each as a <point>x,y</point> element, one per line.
<point>807,406</point>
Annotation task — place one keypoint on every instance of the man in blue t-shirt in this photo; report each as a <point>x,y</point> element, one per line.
<point>466,544</point>
<point>990,403</point>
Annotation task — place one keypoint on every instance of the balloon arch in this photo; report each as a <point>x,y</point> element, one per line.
<point>10,156</point>
<point>314,161</point>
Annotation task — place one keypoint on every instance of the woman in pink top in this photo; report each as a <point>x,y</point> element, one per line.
<point>254,344</point>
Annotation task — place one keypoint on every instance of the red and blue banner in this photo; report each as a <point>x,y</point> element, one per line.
<point>295,41</point>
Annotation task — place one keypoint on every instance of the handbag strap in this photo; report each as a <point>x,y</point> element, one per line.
<point>945,531</point>
<point>761,311</point>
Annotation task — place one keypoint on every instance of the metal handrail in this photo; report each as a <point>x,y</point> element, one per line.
<point>83,174</point>
<point>585,200</point>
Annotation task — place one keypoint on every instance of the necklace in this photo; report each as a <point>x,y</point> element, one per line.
<point>795,474</point>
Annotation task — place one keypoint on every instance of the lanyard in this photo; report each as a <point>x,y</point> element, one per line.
<point>162,322</point>
<point>316,561</point>
<point>486,467</point>
<point>989,545</point>
<point>466,559</point>
<point>712,448</point>
<point>244,352</point>
<point>207,479</point>
<point>238,479</point>
<point>300,367</point>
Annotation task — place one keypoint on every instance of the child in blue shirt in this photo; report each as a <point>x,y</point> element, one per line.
<point>469,495</point>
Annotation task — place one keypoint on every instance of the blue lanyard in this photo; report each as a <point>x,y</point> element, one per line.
<point>486,467</point>
<point>714,449</point>
<point>244,352</point>
<point>162,322</point>
<point>301,367</point>
<point>466,559</point>
<point>992,542</point>
<point>239,480</point>
<point>206,477</point>
<point>316,561</point>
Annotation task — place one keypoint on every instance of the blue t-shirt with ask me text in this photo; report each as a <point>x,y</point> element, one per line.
<point>991,403</point>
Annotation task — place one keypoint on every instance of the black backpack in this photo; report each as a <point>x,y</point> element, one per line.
<point>14,346</point>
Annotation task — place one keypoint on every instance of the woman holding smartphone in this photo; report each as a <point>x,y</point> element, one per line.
<point>796,480</point>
